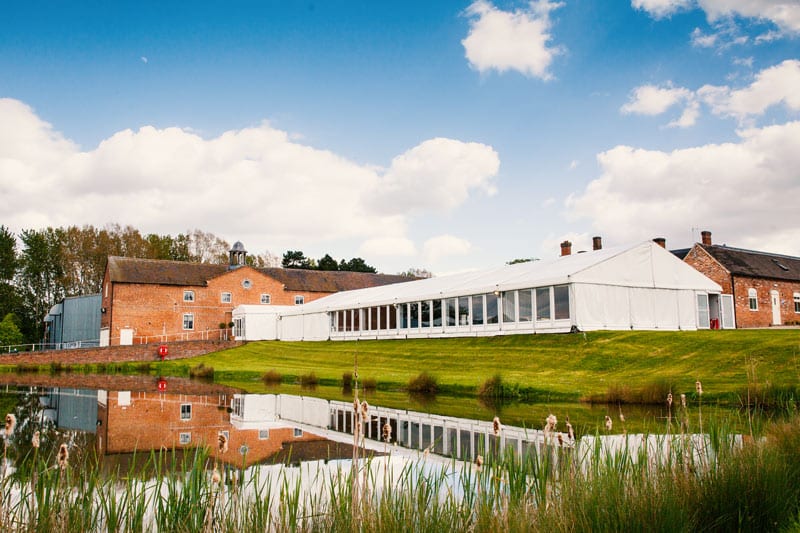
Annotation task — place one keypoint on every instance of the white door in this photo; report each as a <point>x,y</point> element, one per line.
<point>776,307</point>
<point>126,336</point>
<point>727,312</point>
<point>104,337</point>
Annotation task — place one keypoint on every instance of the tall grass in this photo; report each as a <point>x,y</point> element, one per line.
<point>675,483</point>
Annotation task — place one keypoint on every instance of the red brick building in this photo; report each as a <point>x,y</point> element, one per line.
<point>146,300</point>
<point>765,287</point>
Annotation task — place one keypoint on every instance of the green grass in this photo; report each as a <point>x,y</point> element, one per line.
<point>540,367</point>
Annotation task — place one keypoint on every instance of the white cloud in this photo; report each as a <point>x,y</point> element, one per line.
<point>436,174</point>
<point>785,14</point>
<point>660,8</point>
<point>745,192</point>
<point>654,100</point>
<point>255,184</point>
<point>574,164</point>
<point>144,59</point>
<point>444,246</point>
<point>689,116</point>
<point>772,86</point>
<point>511,40</point>
<point>704,40</point>
<point>388,247</point>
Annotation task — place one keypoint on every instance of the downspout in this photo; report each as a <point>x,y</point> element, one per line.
<point>733,294</point>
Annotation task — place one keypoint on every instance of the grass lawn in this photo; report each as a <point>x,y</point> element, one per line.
<point>556,367</point>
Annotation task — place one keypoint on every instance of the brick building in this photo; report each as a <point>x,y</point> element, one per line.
<point>139,421</point>
<point>764,287</point>
<point>146,300</point>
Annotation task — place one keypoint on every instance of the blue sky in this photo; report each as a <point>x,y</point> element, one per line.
<point>443,135</point>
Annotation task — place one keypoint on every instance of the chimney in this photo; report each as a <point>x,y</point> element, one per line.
<point>661,241</point>
<point>706,236</point>
<point>597,243</point>
<point>566,248</point>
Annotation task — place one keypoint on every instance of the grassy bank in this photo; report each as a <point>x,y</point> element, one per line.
<point>615,366</point>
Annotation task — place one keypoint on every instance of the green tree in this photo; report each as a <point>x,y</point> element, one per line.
<point>356,264</point>
<point>41,276</point>
<point>10,300</point>
<point>327,263</point>
<point>296,259</point>
<point>9,331</point>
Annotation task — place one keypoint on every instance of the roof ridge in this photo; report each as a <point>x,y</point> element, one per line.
<point>745,250</point>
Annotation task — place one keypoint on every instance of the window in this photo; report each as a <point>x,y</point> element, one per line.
<point>561,302</point>
<point>425,314</point>
<point>298,433</point>
<point>543,303</point>
<point>463,311</point>
<point>509,306</point>
<point>452,307</point>
<point>437,313</point>
<point>265,299</point>
<point>403,310</point>
<point>188,296</point>
<point>702,311</point>
<point>185,438</point>
<point>263,434</point>
<point>299,300</point>
<point>797,302</point>
<point>225,298</point>
<point>414,307</point>
<point>525,305</point>
<point>186,411</point>
<point>477,310</point>
<point>491,308</point>
<point>246,283</point>
<point>188,321</point>
<point>752,298</point>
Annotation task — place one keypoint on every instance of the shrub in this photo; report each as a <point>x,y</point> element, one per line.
<point>423,383</point>
<point>27,367</point>
<point>309,380</point>
<point>271,377</point>
<point>369,384</point>
<point>494,387</point>
<point>202,371</point>
<point>347,381</point>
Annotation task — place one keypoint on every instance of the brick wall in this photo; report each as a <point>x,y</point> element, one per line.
<point>118,354</point>
<point>145,383</point>
<point>704,263</point>
<point>746,318</point>
<point>150,420</point>
<point>156,312</point>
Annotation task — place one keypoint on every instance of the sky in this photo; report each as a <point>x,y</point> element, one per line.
<point>446,135</point>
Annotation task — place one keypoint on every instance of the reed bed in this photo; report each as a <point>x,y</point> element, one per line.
<point>673,482</point>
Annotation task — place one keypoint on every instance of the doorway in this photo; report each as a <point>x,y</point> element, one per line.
<point>775,298</point>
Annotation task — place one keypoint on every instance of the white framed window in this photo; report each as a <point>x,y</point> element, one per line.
<point>185,438</point>
<point>188,321</point>
<point>188,296</point>
<point>752,298</point>
<point>186,411</point>
<point>797,302</point>
<point>298,433</point>
<point>246,283</point>
<point>225,298</point>
<point>266,299</point>
<point>263,434</point>
<point>299,300</point>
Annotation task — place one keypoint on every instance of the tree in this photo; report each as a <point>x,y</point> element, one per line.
<point>8,254</point>
<point>417,273</point>
<point>9,331</point>
<point>41,275</point>
<point>327,263</point>
<point>522,260</point>
<point>296,259</point>
<point>356,264</point>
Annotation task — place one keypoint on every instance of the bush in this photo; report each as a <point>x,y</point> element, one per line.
<point>423,383</point>
<point>309,380</point>
<point>494,387</point>
<point>271,377</point>
<point>369,384</point>
<point>202,371</point>
<point>347,381</point>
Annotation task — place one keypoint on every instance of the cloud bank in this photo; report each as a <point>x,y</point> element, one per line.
<point>255,184</point>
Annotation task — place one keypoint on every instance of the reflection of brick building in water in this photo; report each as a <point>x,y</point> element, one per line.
<point>137,421</point>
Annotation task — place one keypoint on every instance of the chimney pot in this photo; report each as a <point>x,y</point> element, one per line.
<point>706,236</point>
<point>597,243</point>
<point>661,241</point>
<point>566,248</point>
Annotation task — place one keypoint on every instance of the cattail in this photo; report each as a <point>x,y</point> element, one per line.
<point>63,456</point>
<point>387,432</point>
<point>215,477</point>
<point>621,417</point>
<point>222,445</point>
<point>550,423</point>
<point>683,401</point>
<point>479,461</point>
<point>496,427</point>
<point>570,431</point>
<point>364,410</point>
<point>698,387</point>
<point>609,423</point>
<point>35,439</point>
<point>11,423</point>
<point>669,399</point>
